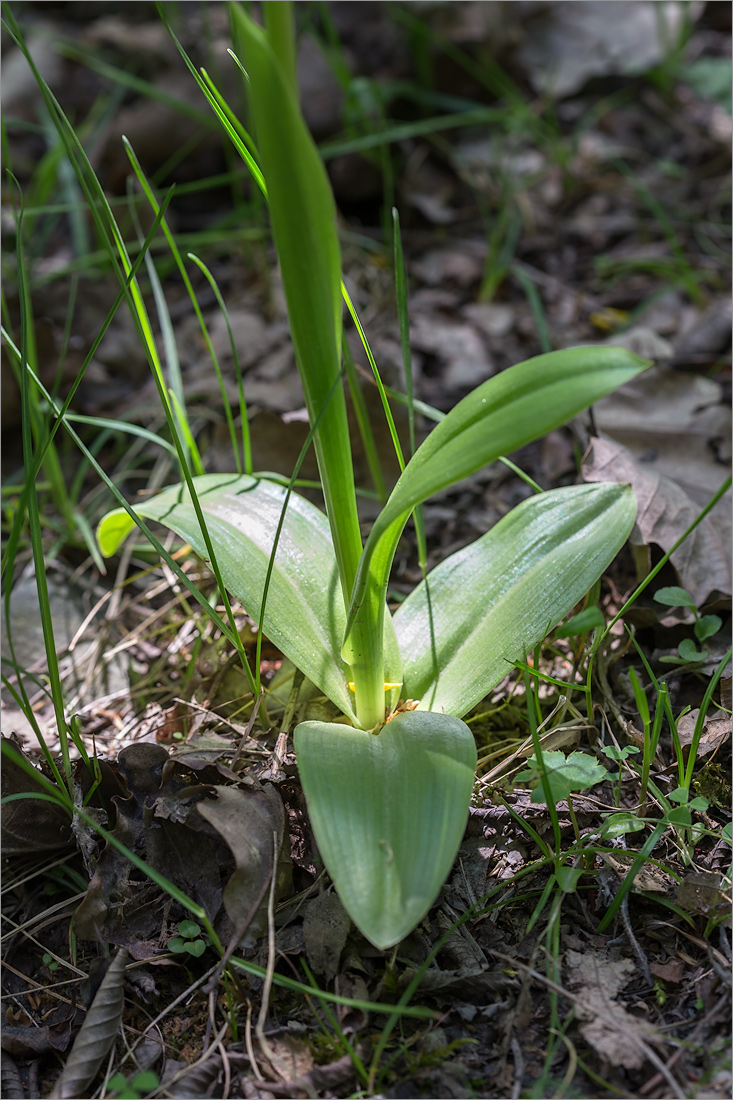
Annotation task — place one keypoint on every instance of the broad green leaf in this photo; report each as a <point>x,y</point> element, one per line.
<point>388,812</point>
<point>568,878</point>
<point>674,596</point>
<point>195,948</point>
<point>511,409</point>
<point>305,614</point>
<point>565,774</point>
<point>617,754</point>
<point>486,606</point>
<point>620,824</point>
<point>689,651</point>
<point>707,626</point>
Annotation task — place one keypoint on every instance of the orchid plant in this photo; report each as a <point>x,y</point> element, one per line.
<point>388,785</point>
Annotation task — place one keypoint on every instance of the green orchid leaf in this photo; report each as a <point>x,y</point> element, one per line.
<point>485,607</point>
<point>388,812</point>
<point>303,219</point>
<point>305,613</point>
<point>512,408</point>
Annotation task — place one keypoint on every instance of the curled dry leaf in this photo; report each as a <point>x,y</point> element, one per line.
<point>97,1034</point>
<point>252,822</point>
<point>715,731</point>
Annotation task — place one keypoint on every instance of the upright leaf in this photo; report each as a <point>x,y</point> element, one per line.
<point>303,219</point>
<point>511,409</point>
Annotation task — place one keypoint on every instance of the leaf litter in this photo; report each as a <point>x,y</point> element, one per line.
<point>209,805</point>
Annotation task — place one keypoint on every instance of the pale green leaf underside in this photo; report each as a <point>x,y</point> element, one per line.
<point>388,812</point>
<point>495,600</point>
<point>304,615</point>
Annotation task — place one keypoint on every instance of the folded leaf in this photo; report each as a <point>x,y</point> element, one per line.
<point>304,615</point>
<point>493,601</point>
<point>511,409</point>
<point>388,812</point>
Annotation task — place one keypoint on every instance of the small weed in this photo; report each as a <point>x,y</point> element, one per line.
<point>133,1088</point>
<point>705,627</point>
<point>49,962</point>
<point>189,940</point>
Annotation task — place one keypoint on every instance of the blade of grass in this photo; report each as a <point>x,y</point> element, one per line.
<point>34,522</point>
<point>98,201</point>
<point>365,429</point>
<point>244,465</point>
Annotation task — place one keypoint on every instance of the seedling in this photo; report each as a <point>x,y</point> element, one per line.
<point>189,939</point>
<point>49,962</point>
<point>705,626</point>
<point>619,755</point>
<point>133,1088</point>
<point>388,790</point>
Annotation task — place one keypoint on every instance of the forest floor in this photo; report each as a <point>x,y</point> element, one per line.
<point>534,217</point>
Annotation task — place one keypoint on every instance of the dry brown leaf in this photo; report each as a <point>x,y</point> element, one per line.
<point>252,822</point>
<point>665,512</point>
<point>673,423</point>
<point>715,731</point>
<point>326,925</point>
<point>613,1032</point>
<point>565,44</point>
<point>648,878</point>
<point>97,1033</point>
<point>289,1056</point>
<point>673,970</point>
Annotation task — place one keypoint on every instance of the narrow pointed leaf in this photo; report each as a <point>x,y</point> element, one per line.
<point>495,600</point>
<point>303,220</point>
<point>511,409</point>
<point>388,812</point>
<point>304,614</point>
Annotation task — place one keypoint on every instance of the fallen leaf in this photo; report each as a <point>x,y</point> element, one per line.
<point>326,926</point>
<point>715,731</point>
<point>648,878</point>
<point>702,892</point>
<point>289,1056</point>
<point>252,822</point>
<point>566,44</point>
<point>30,825</point>
<point>665,512</point>
<point>672,970</point>
<point>97,1033</point>
<point>613,1032</point>
<point>671,422</point>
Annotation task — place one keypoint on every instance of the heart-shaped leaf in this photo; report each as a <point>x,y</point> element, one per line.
<point>195,948</point>
<point>388,811</point>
